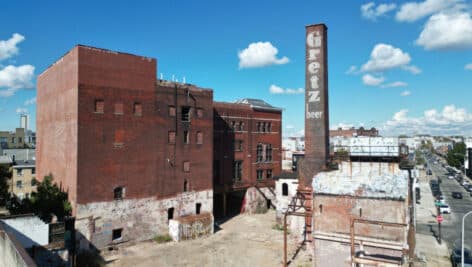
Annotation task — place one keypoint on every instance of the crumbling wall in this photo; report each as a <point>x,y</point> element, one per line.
<point>191,227</point>
<point>140,219</point>
<point>259,200</point>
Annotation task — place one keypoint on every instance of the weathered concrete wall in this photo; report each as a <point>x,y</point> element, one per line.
<point>140,219</point>
<point>191,227</point>
<point>256,200</point>
<point>28,230</point>
<point>12,254</point>
<point>283,201</point>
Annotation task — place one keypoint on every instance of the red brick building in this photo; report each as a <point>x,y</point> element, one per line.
<point>247,155</point>
<point>131,151</point>
<point>353,132</point>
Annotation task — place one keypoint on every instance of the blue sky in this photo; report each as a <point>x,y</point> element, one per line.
<point>411,59</point>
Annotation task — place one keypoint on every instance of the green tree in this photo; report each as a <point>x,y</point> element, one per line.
<point>455,157</point>
<point>5,174</point>
<point>48,199</point>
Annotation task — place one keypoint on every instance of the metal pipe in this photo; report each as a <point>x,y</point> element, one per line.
<point>462,245</point>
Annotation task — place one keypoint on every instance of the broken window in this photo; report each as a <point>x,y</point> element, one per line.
<point>170,213</point>
<point>237,170</point>
<point>284,189</point>
<point>259,156</point>
<point>269,174</point>
<point>99,106</point>
<point>118,192</point>
<point>260,174</point>
<point>171,137</point>
<point>238,145</point>
<point>198,207</point>
<point>268,154</point>
<point>186,166</point>
<point>119,108</point>
<point>172,111</point>
<point>138,109</point>
<point>199,138</point>
<point>186,138</point>
<point>186,113</point>
<point>116,234</point>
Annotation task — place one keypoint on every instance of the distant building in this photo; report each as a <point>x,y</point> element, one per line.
<point>14,139</point>
<point>372,132</point>
<point>247,155</point>
<point>23,181</point>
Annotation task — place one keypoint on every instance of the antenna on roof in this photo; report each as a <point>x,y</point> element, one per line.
<point>173,77</point>
<point>183,79</point>
<point>162,76</point>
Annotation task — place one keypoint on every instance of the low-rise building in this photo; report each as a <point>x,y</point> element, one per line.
<point>353,132</point>
<point>14,139</point>
<point>23,181</point>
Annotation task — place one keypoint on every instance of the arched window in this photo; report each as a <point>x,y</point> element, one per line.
<point>284,189</point>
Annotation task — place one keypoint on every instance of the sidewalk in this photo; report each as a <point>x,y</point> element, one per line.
<point>427,248</point>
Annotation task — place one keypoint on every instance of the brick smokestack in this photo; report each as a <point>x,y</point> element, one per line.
<point>316,104</point>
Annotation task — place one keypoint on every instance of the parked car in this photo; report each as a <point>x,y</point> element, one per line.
<point>456,257</point>
<point>468,188</point>
<point>450,177</point>
<point>444,208</point>
<point>457,195</point>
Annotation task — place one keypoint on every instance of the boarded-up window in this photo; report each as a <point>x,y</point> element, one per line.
<point>186,166</point>
<point>199,113</point>
<point>99,106</point>
<point>172,111</point>
<point>119,108</point>
<point>119,139</point>
<point>199,138</point>
<point>171,137</point>
<point>138,109</point>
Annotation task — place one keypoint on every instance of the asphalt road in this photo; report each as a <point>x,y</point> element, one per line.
<point>451,226</point>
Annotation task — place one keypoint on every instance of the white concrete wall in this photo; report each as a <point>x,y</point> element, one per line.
<point>29,230</point>
<point>141,219</point>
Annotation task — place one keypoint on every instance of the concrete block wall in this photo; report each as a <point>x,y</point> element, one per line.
<point>140,219</point>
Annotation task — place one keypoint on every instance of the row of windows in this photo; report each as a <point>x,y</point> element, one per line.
<point>19,171</point>
<point>186,137</point>
<point>264,127</point>
<point>13,140</point>
<point>186,111</point>
<point>237,126</point>
<point>19,184</point>
<point>260,174</point>
<point>264,153</point>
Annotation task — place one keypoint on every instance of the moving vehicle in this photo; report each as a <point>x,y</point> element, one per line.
<point>457,195</point>
<point>444,208</point>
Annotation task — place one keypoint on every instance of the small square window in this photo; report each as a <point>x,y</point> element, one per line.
<point>199,138</point>
<point>33,170</point>
<point>198,208</point>
<point>19,184</point>
<point>172,111</point>
<point>118,193</point>
<point>138,109</point>
<point>116,234</point>
<point>19,172</point>
<point>119,108</point>
<point>99,106</point>
<point>171,137</point>
<point>186,166</point>
<point>199,113</point>
<point>269,174</point>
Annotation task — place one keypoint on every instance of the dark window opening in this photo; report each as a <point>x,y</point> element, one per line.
<point>198,207</point>
<point>118,192</point>
<point>269,203</point>
<point>268,152</point>
<point>185,186</point>
<point>360,212</point>
<point>237,170</point>
<point>238,145</point>
<point>170,213</point>
<point>258,126</point>
<point>284,189</point>
<point>321,208</point>
<point>260,174</point>
<point>33,171</point>
<point>185,113</point>
<point>259,155</point>
<point>186,138</point>
<point>269,127</point>
<point>138,109</point>
<point>269,174</point>
<point>263,127</point>
<point>19,140</point>
<point>116,234</point>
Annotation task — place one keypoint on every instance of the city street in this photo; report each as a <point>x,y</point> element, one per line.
<point>451,226</point>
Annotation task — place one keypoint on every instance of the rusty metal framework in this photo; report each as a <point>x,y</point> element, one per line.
<point>376,260</point>
<point>297,207</point>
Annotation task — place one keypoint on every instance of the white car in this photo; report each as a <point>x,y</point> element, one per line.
<point>444,208</point>
<point>450,177</point>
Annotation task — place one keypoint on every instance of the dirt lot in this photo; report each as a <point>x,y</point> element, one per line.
<point>245,240</point>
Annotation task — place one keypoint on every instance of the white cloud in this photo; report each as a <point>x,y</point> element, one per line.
<point>371,12</point>
<point>274,89</point>
<point>413,11</point>
<point>13,78</point>
<point>371,80</point>
<point>447,31</point>
<point>31,101</point>
<point>352,70</point>
<point>384,57</point>
<point>260,54</point>
<point>412,69</point>
<point>289,126</point>
<point>8,48</point>
<point>450,121</point>
<point>395,84</point>
<point>405,93</point>
<point>468,66</point>
<point>21,110</point>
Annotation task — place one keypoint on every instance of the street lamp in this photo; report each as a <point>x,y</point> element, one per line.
<point>462,245</point>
